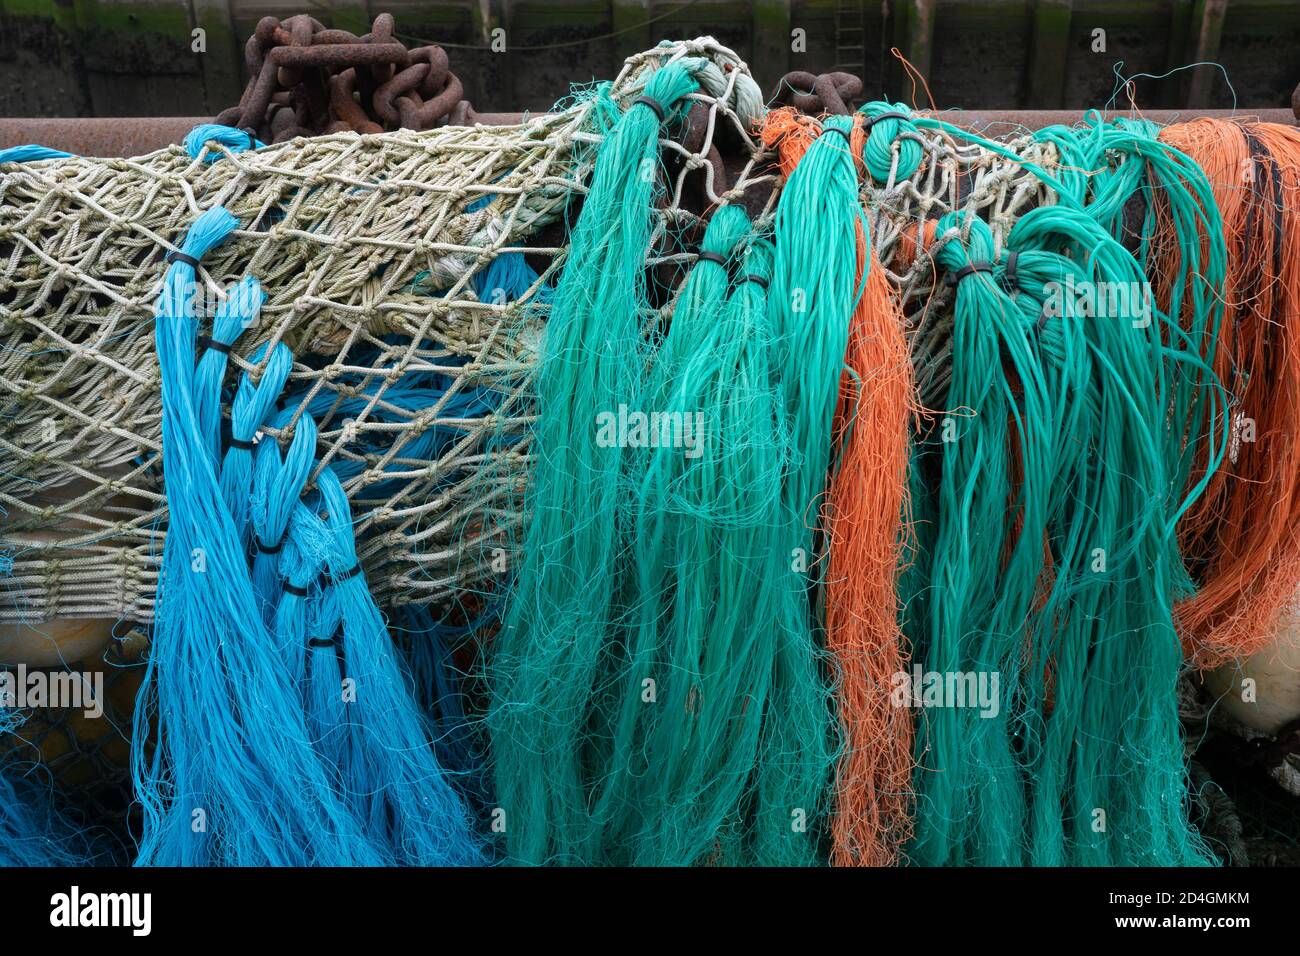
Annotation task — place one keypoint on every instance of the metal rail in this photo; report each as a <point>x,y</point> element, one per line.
<point>132,136</point>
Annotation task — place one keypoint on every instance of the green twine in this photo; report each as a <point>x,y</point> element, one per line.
<point>551,755</point>
<point>639,715</point>
<point>737,741</point>
<point>814,289</point>
<point>1057,576</point>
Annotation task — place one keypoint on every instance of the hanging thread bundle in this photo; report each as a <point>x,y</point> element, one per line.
<point>1242,541</point>
<point>865,504</point>
<point>614,658</point>
<point>548,658</point>
<point>245,784</point>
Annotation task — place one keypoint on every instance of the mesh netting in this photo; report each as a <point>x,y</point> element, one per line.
<point>370,249</point>
<point>953,176</point>
<point>87,752</point>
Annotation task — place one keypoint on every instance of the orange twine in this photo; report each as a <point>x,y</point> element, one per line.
<point>1242,540</point>
<point>865,520</point>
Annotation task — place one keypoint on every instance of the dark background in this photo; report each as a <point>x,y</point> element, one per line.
<point>134,57</point>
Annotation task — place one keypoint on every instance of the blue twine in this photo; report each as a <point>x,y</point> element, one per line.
<point>416,392</point>
<point>506,279</point>
<point>30,154</point>
<point>439,687</point>
<point>249,411</point>
<point>237,311</point>
<point>371,724</point>
<point>235,140</point>
<point>224,771</point>
<point>278,481</point>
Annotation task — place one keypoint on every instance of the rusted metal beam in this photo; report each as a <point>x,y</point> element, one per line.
<point>131,136</point>
<point>100,136</point>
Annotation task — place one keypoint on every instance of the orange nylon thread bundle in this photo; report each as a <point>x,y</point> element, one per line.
<point>863,520</point>
<point>1242,542</point>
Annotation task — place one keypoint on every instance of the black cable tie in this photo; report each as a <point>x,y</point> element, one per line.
<point>969,269</point>
<point>847,134</point>
<point>335,642</point>
<point>654,104</point>
<point>713,257</point>
<point>181,257</point>
<point>252,136</point>
<point>757,280</point>
<point>1009,278</point>
<point>241,444</point>
<point>871,121</point>
<point>268,549</point>
<point>207,342</point>
<point>295,590</point>
<point>326,579</point>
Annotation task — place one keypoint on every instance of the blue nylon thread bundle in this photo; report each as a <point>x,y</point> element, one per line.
<point>387,767</point>
<point>278,481</point>
<point>224,771</point>
<point>31,153</point>
<point>439,686</point>
<point>418,391</point>
<point>249,411</point>
<point>301,568</point>
<point>236,311</point>
<point>235,140</point>
<point>507,278</point>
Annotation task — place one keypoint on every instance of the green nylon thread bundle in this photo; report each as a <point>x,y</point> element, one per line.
<point>737,738</point>
<point>549,750</point>
<point>639,715</point>
<point>1102,681</point>
<point>814,289</point>
<point>884,136</point>
<point>1055,465</point>
<point>1130,170</point>
<point>982,574</point>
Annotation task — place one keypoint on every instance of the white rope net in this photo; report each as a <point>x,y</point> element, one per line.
<point>371,250</point>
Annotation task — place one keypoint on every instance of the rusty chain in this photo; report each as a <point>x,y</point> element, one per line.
<point>307,79</point>
<point>826,93</point>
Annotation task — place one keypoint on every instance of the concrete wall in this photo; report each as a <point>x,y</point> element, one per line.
<point>135,57</point>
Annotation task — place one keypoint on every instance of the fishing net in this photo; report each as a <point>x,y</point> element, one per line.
<point>382,260</point>
<point>87,750</point>
<point>376,254</point>
<point>410,274</point>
